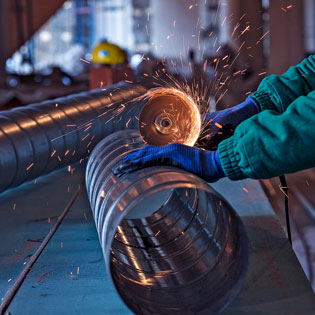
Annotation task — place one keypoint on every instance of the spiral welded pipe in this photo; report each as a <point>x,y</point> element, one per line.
<point>171,244</point>
<point>39,138</point>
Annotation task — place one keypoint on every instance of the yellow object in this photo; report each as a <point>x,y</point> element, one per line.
<point>108,53</point>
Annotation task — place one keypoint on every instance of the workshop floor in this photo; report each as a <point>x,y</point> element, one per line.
<point>302,215</point>
<point>69,275</point>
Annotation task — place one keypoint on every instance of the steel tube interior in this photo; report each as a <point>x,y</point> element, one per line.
<point>39,138</point>
<point>172,245</point>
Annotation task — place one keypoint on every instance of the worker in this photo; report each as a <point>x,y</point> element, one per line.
<point>274,135</point>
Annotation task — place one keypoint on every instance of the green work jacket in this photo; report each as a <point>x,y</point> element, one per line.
<point>281,138</point>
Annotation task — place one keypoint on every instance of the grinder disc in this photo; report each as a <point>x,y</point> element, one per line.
<point>169,116</point>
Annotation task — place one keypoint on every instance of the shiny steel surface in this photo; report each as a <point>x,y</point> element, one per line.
<point>39,138</point>
<point>171,244</point>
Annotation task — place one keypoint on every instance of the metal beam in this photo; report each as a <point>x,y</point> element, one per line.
<point>286,34</point>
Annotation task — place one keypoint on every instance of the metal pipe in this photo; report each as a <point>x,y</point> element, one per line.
<point>171,244</point>
<point>39,138</point>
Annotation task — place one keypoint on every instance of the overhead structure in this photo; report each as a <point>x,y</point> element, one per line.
<point>19,20</point>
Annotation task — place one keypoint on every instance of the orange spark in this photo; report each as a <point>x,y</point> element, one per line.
<point>85,137</point>
<point>85,60</point>
<point>127,123</point>
<point>223,21</point>
<point>30,166</point>
<point>262,37</point>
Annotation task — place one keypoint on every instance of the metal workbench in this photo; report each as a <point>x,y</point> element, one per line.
<point>69,276</point>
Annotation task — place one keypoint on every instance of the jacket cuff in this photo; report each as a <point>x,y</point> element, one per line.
<point>230,159</point>
<point>263,99</point>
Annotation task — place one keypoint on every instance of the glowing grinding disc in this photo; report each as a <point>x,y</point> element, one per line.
<point>169,116</point>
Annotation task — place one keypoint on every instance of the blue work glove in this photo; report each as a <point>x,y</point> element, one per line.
<point>221,124</point>
<point>205,164</point>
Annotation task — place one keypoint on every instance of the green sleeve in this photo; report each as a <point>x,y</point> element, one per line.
<point>270,144</point>
<point>278,92</point>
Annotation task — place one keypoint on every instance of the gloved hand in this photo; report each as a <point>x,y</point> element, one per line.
<point>221,124</point>
<point>205,164</point>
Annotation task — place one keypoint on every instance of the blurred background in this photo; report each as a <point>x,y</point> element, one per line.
<point>221,49</point>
